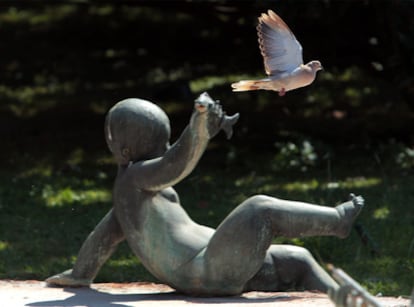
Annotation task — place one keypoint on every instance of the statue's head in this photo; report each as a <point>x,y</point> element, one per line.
<point>136,129</point>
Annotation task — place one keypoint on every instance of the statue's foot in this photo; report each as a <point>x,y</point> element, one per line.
<point>65,279</point>
<point>348,212</point>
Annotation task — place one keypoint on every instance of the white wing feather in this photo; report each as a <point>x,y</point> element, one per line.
<point>279,47</point>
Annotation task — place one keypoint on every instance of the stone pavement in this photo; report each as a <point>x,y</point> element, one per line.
<point>36,293</point>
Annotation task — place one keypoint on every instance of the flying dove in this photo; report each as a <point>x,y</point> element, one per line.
<point>282,55</point>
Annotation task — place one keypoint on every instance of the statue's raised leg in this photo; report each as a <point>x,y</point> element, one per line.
<point>236,251</point>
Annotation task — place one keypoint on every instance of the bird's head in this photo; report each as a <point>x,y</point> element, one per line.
<point>315,65</point>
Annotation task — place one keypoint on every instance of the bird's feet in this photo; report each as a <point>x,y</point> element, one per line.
<point>282,92</point>
<point>348,212</point>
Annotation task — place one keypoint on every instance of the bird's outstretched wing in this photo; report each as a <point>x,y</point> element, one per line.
<point>279,47</point>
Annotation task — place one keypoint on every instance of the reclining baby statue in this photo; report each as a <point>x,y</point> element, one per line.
<point>194,259</point>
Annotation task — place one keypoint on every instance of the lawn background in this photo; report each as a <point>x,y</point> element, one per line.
<point>63,66</point>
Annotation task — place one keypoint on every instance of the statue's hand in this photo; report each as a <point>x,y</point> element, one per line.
<point>216,118</point>
<point>227,124</point>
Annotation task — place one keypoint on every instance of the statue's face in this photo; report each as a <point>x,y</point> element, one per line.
<point>137,130</point>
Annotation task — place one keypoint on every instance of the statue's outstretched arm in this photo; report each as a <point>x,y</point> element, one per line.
<point>181,158</point>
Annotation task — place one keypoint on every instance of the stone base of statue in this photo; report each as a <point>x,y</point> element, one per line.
<point>36,293</point>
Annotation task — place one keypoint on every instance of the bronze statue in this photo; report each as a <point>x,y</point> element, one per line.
<point>237,256</point>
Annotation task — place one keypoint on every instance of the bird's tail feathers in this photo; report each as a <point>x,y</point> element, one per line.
<point>246,85</point>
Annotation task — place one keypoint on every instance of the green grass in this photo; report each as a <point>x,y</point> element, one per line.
<point>47,211</point>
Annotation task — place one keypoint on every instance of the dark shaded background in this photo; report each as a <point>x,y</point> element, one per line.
<point>63,65</point>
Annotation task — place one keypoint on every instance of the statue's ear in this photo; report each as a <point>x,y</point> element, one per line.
<point>125,153</point>
<point>125,156</point>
